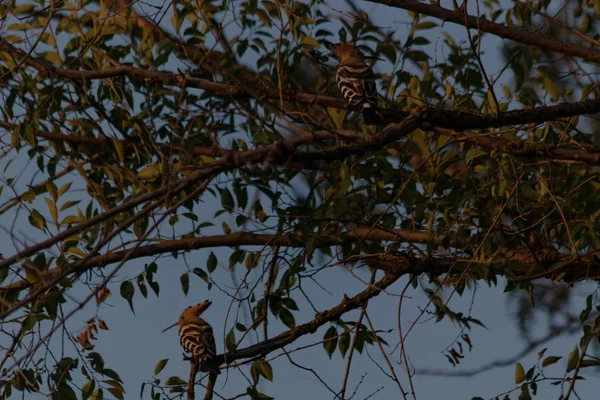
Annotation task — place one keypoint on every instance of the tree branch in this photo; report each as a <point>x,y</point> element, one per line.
<point>238,239</point>
<point>334,313</point>
<point>451,119</point>
<point>518,35</point>
<point>191,386</point>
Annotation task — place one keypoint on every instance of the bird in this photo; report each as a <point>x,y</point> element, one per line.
<point>196,337</point>
<point>356,80</point>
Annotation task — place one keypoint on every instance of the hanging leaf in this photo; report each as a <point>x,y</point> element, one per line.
<point>127,291</point>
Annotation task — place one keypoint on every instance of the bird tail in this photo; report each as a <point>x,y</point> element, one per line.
<point>370,115</point>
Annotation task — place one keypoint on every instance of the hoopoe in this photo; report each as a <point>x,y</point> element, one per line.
<point>356,81</point>
<point>196,337</point>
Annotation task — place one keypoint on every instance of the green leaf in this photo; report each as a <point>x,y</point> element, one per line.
<point>550,360</point>
<point>230,341</point>
<point>344,343</point>
<point>119,148</point>
<point>140,226</point>
<point>116,389</point>
<point>212,262</point>
<point>111,374</point>
<point>127,291</point>
<point>265,369</point>
<point>330,340</point>
<point>175,380</point>
<point>573,359</point>
<point>52,190</point>
<point>519,373</point>
<point>255,373</point>
<point>203,275</point>
<point>88,389</point>
<point>256,395</point>
<point>64,188</point>
<point>149,173</point>
<point>98,394</point>
<point>287,318</point>
<point>64,392</point>
<point>227,199</point>
<point>240,327</point>
<point>310,41</point>
<point>29,322</point>
<point>161,364</point>
<point>185,283</point>
<point>589,363</point>
<point>37,220</point>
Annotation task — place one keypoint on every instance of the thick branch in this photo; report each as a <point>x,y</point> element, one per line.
<point>450,119</point>
<point>168,79</point>
<point>191,386</point>
<point>518,35</point>
<point>238,239</point>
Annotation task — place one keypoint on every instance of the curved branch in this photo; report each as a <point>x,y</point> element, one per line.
<point>451,119</point>
<point>169,79</point>
<point>518,35</point>
<point>237,239</point>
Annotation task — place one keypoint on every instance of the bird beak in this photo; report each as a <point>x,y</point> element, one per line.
<point>169,327</point>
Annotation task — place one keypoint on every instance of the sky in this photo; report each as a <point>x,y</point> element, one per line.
<point>134,344</point>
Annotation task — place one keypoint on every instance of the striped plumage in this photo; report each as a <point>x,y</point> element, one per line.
<point>356,81</point>
<point>196,337</point>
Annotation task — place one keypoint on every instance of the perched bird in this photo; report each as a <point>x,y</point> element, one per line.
<point>356,81</point>
<point>196,337</point>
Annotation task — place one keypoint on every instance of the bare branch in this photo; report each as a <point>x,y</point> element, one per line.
<point>518,35</point>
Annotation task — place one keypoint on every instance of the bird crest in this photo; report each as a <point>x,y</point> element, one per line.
<point>191,314</point>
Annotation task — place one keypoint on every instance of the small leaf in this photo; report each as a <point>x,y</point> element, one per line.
<point>87,389</point>
<point>589,363</point>
<point>240,327</point>
<point>203,275</point>
<point>212,262</point>
<point>185,283</point>
<point>573,358</point>
<point>111,374</point>
<point>265,369</point>
<point>29,322</point>
<point>37,220</point>
<point>541,353</point>
<point>344,343</point>
<point>175,380</point>
<point>550,360</point>
<point>519,374</point>
<point>310,41</point>
<point>287,318</point>
<point>149,173</point>
<point>119,147</point>
<point>227,199</point>
<point>64,188</point>
<point>256,395</point>
<point>230,341</point>
<point>255,373</point>
<point>330,340</point>
<point>160,366</point>
<point>127,291</point>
